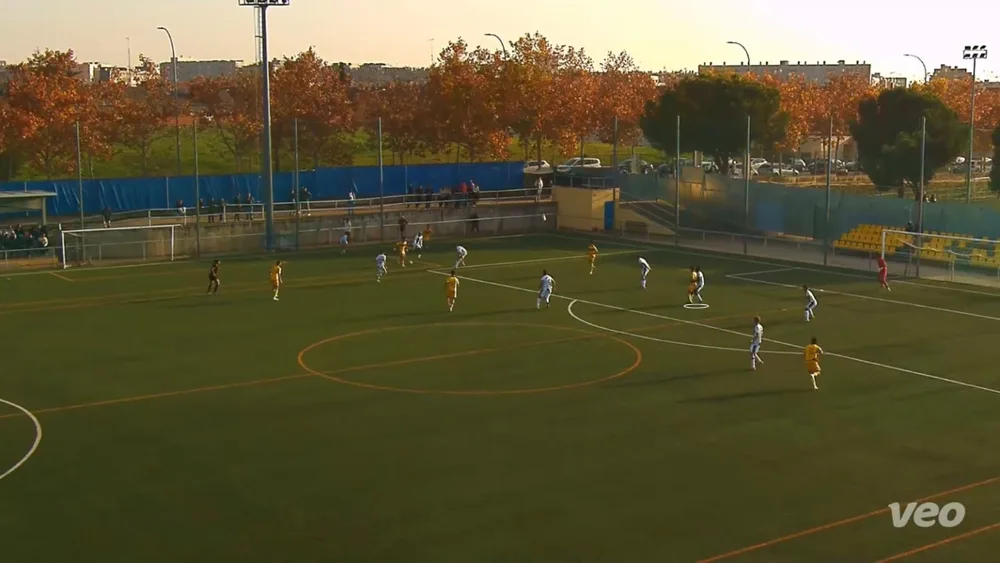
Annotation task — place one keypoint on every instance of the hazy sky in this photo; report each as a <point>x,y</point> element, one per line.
<point>658,33</point>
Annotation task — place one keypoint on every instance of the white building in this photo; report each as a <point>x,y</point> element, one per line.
<point>189,70</point>
<point>818,72</point>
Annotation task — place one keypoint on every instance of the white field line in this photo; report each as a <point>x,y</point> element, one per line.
<point>569,310</point>
<point>579,256</point>
<point>34,445</point>
<point>741,277</point>
<point>762,272</point>
<point>722,255</point>
<point>62,277</point>
<point>726,330</point>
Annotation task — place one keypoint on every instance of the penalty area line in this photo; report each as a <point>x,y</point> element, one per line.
<point>728,331</point>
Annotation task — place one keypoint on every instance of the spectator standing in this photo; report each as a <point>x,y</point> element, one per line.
<point>352,200</point>
<point>475,192</point>
<point>402,227</point>
<point>428,196</point>
<point>236,208</point>
<point>305,196</point>
<point>107,217</point>
<point>249,207</point>
<point>539,184</point>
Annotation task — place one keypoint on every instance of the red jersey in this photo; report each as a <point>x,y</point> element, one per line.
<point>881,263</point>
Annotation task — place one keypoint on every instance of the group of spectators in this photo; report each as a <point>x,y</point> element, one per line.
<point>32,240</point>
<point>465,194</point>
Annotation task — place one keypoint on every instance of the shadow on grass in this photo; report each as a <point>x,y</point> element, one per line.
<point>746,395</point>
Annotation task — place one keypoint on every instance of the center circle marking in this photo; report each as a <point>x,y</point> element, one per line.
<point>302,363</point>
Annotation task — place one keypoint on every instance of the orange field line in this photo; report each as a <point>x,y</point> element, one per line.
<point>936,544</point>
<point>162,395</point>
<point>839,523</point>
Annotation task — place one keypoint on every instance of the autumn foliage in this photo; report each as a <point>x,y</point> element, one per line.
<point>477,104</point>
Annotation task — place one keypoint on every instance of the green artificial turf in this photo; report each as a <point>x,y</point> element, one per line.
<point>181,427</point>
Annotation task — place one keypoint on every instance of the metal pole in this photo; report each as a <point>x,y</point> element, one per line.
<point>614,146</point>
<point>741,46</point>
<point>381,180</point>
<point>826,228</point>
<point>197,195</point>
<point>677,178</point>
<point>921,63</point>
<point>265,161</point>
<point>920,203</point>
<point>177,101</point>
<point>297,189</point>
<point>746,188</point>
<point>502,44</point>
<point>972,133</point>
<point>79,173</point>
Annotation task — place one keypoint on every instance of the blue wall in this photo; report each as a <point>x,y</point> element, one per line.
<point>325,183</point>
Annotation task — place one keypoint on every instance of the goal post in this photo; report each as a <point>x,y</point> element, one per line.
<point>145,243</point>
<point>943,257</point>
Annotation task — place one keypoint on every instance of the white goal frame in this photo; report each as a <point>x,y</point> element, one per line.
<point>939,251</point>
<point>82,236</point>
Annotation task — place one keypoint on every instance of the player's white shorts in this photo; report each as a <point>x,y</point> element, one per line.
<point>811,306</point>
<point>754,348</point>
<point>700,287</point>
<point>380,270</point>
<point>645,273</point>
<point>545,294</point>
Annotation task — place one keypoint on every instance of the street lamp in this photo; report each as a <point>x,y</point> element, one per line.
<point>975,52</point>
<point>265,81</point>
<point>502,44</point>
<point>921,63</point>
<point>741,46</point>
<point>177,102</point>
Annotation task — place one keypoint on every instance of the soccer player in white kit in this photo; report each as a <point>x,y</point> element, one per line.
<point>644,269</point>
<point>345,239</point>
<point>418,244</point>
<point>460,254</point>
<point>755,339</point>
<point>545,288</point>
<point>810,303</point>
<point>699,284</point>
<point>380,267</point>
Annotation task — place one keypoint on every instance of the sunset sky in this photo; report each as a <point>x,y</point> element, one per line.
<point>658,34</point>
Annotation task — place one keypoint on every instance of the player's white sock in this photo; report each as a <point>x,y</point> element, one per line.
<point>753,363</point>
<point>644,284</point>
<point>700,300</point>
<point>813,376</point>
<point>538,303</point>
<point>546,302</point>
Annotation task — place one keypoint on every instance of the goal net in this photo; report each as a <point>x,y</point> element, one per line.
<point>118,244</point>
<point>943,257</point>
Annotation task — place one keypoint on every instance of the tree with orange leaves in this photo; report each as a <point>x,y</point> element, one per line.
<point>839,100</point>
<point>529,91</point>
<point>399,106</point>
<point>50,100</point>
<point>319,96</point>
<point>576,115</point>
<point>800,100</point>
<point>463,101</point>
<point>230,106</point>
<point>956,94</point>
<point>136,114</point>
<point>622,92</point>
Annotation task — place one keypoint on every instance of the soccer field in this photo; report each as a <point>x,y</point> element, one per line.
<point>143,421</point>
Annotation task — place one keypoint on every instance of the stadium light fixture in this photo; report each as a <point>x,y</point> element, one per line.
<point>974,53</point>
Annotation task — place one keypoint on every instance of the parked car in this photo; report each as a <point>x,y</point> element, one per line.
<point>537,167</point>
<point>756,163</point>
<point>798,164</point>
<point>577,163</point>
<point>738,170</point>
<point>783,170</point>
<point>642,167</point>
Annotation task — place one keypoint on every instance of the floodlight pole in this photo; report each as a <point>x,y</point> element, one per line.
<point>920,194</point>
<point>266,170</point>
<point>79,174</point>
<point>746,189</point>
<point>197,193</point>
<point>972,132</point>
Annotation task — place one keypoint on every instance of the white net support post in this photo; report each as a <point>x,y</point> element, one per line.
<point>944,257</point>
<point>142,243</point>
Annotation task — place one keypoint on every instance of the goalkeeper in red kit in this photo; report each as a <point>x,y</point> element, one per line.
<point>883,273</point>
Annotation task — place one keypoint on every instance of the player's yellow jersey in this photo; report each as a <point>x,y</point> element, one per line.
<point>427,234</point>
<point>592,251</point>
<point>275,273</point>
<point>451,286</point>
<point>693,284</point>
<point>401,247</point>
<point>813,352</point>
<point>694,277</point>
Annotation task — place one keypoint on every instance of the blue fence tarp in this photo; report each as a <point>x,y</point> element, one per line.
<point>131,194</point>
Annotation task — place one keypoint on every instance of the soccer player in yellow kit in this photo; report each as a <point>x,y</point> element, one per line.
<point>692,285</point>
<point>276,280</point>
<point>401,250</point>
<point>812,356</point>
<point>451,290</point>
<point>592,255</point>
